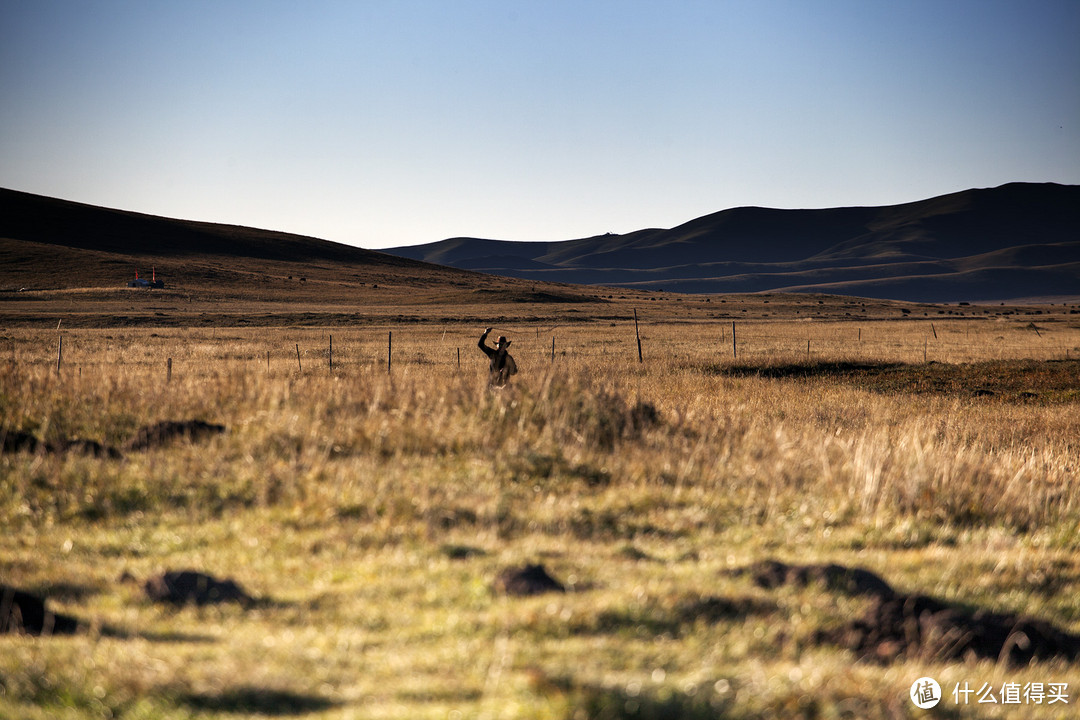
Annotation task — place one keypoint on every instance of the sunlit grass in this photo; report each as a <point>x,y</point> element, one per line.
<point>371,510</point>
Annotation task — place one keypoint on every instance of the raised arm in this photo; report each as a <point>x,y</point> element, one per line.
<point>489,351</point>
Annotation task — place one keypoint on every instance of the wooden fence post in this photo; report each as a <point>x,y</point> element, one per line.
<point>637,332</point>
<point>552,348</point>
<point>331,353</point>
<point>389,349</point>
<point>168,371</point>
<point>301,367</point>
<point>59,352</point>
<point>734,354</point>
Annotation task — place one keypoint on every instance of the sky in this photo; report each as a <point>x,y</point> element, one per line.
<point>380,123</point>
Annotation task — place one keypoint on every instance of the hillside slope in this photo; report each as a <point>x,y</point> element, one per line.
<point>1017,240</point>
<point>47,243</point>
<point>24,216</point>
<point>69,262</point>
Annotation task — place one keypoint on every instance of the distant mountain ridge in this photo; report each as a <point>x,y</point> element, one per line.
<point>1016,240</point>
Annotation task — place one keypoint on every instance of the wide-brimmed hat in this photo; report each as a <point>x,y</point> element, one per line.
<point>502,341</point>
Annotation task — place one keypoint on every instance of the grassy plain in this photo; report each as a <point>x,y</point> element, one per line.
<point>372,509</point>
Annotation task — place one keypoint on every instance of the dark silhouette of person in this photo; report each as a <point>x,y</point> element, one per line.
<point>501,365</point>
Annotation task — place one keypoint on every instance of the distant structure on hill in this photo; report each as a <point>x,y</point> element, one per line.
<point>139,282</point>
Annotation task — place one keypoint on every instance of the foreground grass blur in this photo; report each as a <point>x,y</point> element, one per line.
<point>372,510</point>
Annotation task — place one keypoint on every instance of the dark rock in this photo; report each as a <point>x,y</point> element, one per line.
<point>191,587</point>
<point>21,612</point>
<point>166,431</point>
<point>529,580</point>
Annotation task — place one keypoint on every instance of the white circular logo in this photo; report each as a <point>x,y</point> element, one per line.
<point>925,692</point>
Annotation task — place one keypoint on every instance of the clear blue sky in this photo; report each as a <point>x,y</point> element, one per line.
<point>381,123</point>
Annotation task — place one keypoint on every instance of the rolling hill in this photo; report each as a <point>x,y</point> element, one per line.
<point>69,261</point>
<point>51,244</point>
<point>1020,240</point>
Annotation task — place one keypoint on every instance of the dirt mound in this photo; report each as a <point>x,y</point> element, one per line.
<point>914,625</point>
<point>190,587</point>
<point>922,626</point>
<point>21,612</point>
<point>528,580</point>
<point>852,581</point>
<point>146,437</point>
<point>88,447</point>
<point>164,432</point>
<point>12,441</point>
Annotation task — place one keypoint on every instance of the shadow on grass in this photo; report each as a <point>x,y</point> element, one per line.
<point>118,633</point>
<point>256,701</point>
<point>639,703</point>
<point>676,620</point>
<point>619,704</point>
<point>804,370</point>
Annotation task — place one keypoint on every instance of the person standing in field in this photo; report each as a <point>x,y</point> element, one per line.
<point>501,365</point>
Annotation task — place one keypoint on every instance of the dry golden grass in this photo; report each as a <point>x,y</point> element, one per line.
<point>372,510</point>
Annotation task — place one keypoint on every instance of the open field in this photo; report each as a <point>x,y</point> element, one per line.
<point>371,511</point>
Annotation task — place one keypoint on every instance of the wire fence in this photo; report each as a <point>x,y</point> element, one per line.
<point>611,344</point>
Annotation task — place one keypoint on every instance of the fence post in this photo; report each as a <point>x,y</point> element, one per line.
<point>637,333</point>
<point>59,352</point>
<point>301,367</point>
<point>734,355</point>
<point>389,349</point>
<point>168,371</point>
<point>331,353</point>
<point>552,348</point>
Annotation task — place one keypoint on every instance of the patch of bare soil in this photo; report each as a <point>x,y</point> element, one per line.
<point>536,296</point>
<point>1047,381</point>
